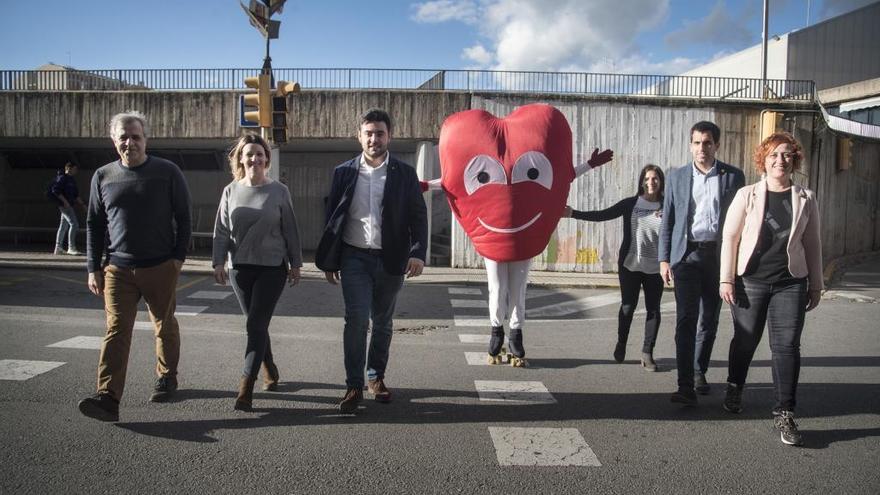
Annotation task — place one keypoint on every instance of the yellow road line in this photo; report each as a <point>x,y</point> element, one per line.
<point>190,283</point>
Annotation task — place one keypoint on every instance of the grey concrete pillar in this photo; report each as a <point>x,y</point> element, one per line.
<point>425,158</point>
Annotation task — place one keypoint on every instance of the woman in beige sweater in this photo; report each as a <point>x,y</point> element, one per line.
<point>771,272</point>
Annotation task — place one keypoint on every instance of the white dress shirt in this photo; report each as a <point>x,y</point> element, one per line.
<point>706,204</point>
<point>363,228</point>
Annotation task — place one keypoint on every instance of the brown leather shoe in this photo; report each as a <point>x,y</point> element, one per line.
<point>244,401</point>
<point>349,403</point>
<point>270,376</point>
<point>379,390</point>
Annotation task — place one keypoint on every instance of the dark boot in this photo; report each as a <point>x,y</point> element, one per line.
<point>517,350</point>
<point>496,343</point>
<point>270,375</point>
<point>620,350</point>
<point>245,399</point>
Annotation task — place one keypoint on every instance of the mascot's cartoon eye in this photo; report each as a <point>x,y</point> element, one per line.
<point>533,166</point>
<point>483,170</point>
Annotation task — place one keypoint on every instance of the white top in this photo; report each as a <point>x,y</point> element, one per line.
<point>363,228</point>
<point>644,237</point>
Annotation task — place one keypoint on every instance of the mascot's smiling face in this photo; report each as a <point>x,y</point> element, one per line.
<point>507,180</point>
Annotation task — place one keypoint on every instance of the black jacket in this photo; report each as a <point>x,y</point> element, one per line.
<point>404,217</point>
<point>622,208</point>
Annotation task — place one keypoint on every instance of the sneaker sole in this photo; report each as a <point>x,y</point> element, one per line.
<point>92,411</point>
<point>732,410</point>
<point>793,444</point>
<point>348,409</point>
<point>161,397</point>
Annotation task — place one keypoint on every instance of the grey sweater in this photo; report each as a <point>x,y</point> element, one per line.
<point>256,225</point>
<point>145,210</point>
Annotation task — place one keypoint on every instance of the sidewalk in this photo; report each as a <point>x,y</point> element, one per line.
<point>859,281</point>
<point>200,263</point>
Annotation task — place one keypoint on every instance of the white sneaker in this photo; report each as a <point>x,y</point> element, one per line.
<point>74,252</point>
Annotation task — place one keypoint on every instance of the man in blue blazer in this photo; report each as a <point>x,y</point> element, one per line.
<point>376,232</point>
<point>694,207</point>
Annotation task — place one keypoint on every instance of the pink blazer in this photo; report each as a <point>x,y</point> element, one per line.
<point>742,228</point>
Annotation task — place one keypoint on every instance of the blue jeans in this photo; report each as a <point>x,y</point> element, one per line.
<point>696,312</point>
<point>370,293</point>
<point>68,227</point>
<point>782,307</point>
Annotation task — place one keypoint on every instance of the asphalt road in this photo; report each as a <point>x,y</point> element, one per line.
<point>590,424</point>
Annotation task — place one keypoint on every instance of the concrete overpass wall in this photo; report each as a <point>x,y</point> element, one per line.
<point>322,123</point>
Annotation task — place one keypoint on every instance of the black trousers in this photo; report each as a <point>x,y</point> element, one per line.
<point>630,284</point>
<point>257,289</point>
<point>781,306</point>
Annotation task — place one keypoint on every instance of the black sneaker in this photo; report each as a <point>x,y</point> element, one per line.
<point>783,421</point>
<point>700,384</point>
<point>733,399</point>
<point>101,407</point>
<point>684,396</point>
<point>165,387</point>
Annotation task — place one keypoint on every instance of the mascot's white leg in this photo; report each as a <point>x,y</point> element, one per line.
<point>518,279</point>
<point>498,280</point>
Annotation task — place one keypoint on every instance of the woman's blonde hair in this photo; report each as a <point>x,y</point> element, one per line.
<point>235,165</point>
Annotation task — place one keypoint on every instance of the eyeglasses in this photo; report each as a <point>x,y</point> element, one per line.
<point>786,156</point>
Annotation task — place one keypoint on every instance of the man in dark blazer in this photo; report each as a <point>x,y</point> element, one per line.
<point>694,207</point>
<point>376,232</point>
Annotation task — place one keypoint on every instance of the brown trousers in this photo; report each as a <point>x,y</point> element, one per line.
<point>123,289</point>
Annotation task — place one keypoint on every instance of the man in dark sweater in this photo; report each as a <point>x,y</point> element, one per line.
<point>142,204</point>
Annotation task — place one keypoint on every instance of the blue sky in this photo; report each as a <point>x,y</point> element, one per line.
<point>636,36</point>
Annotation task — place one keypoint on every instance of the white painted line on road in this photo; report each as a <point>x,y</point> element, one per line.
<point>189,310</point>
<point>20,370</point>
<point>468,303</point>
<point>470,322</point>
<point>536,293</point>
<point>210,294</point>
<point>541,447</point>
<point>473,338</point>
<point>576,306</point>
<point>664,308</point>
<point>143,325</point>
<point>462,291</point>
<point>80,342</point>
<point>520,392</point>
<point>476,358</point>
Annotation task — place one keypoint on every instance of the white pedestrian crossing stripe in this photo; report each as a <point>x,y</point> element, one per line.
<point>520,392</point>
<point>210,294</point>
<point>143,325</point>
<point>541,447</point>
<point>471,291</point>
<point>576,306</point>
<point>470,322</point>
<point>20,370</point>
<point>468,303</point>
<point>80,342</point>
<point>476,358</point>
<point>189,310</point>
<point>472,338</point>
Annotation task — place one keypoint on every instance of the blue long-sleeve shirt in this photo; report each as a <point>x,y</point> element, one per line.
<point>145,210</point>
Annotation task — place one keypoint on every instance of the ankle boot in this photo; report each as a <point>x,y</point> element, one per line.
<point>648,363</point>
<point>244,401</point>
<point>270,376</point>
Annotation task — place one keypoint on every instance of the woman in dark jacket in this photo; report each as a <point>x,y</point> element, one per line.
<point>637,260</point>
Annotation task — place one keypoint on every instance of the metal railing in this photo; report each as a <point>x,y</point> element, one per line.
<point>729,88</point>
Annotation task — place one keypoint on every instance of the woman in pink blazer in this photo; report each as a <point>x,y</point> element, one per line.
<point>771,272</point>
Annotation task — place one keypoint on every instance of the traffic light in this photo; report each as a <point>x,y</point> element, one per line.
<point>259,101</point>
<point>279,110</point>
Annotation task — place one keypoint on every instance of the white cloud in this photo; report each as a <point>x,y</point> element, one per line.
<point>478,54</point>
<point>551,34</point>
<point>721,28</point>
<point>445,10</point>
